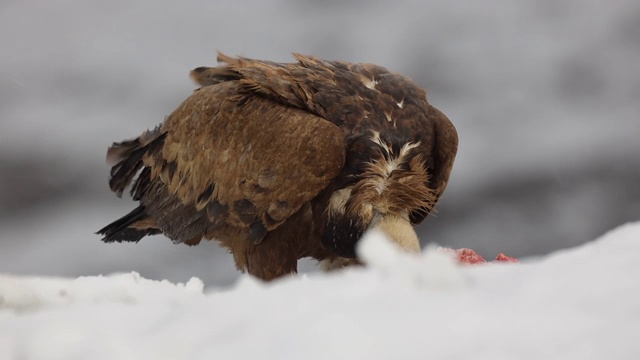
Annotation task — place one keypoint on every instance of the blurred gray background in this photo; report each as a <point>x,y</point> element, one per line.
<point>545,96</point>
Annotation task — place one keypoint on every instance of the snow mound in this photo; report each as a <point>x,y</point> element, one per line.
<point>434,268</point>
<point>581,303</point>
<point>28,293</point>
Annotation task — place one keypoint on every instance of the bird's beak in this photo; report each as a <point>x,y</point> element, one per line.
<point>400,231</point>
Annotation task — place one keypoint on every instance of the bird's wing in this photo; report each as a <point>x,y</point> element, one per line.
<point>354,97</point>
<point>445,147</point>
<point>245,160</point>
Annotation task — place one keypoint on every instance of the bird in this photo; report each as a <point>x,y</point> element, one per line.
<point>282,161</point>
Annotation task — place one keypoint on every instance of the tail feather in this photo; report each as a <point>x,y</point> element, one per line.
<point>131,227</point>
<point>126,158</point>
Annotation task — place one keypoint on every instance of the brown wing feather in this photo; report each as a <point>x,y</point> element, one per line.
<point>356,97</point>
<point>245,159</point>
<point>445,147</point>
<point>349,95</point>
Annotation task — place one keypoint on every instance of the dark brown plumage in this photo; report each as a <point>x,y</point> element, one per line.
<point>284,161</point>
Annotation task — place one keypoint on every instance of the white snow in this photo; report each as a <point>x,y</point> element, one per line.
<point>581,303</point>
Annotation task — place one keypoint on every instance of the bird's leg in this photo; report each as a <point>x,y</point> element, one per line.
<point>338,263</point>
<point>278,253</point>
<point>269,259</point>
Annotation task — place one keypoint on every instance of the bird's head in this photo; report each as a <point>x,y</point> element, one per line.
<point>392,187</point>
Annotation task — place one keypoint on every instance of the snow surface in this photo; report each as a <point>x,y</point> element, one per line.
<point>581,303</point>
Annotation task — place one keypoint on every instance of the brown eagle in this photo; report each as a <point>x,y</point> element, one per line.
<point>280,161</point>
